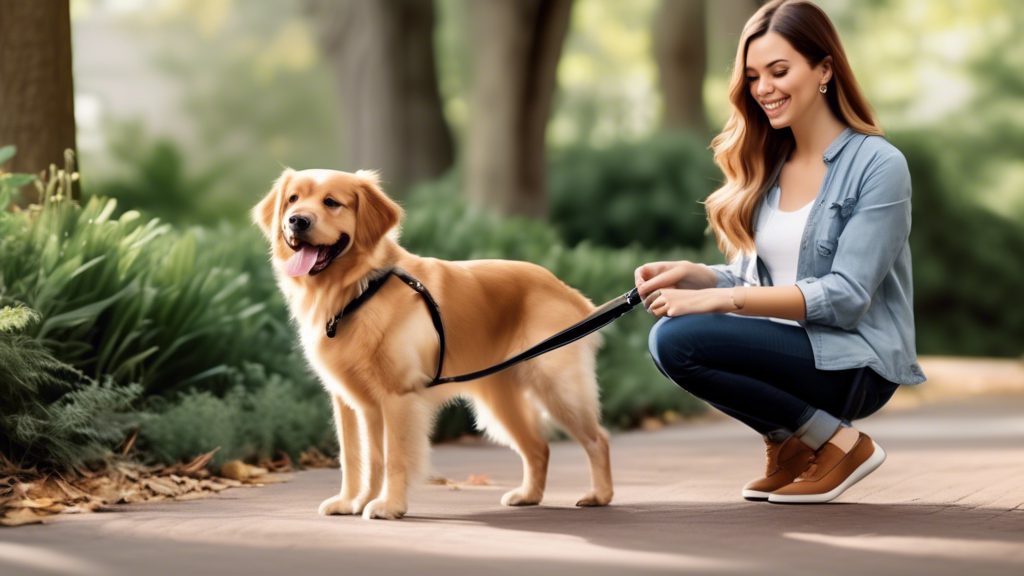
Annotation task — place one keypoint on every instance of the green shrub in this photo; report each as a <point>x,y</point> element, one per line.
<point>965,262</point>
<point>261,414</point>
<point>135,299</point>
<point>157,182</point>
<point>647,192</point>
<point>53,416</point>
<point>148,309</point>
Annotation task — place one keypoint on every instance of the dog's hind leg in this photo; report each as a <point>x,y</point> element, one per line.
<point>566,384</point>
<point>508,416</point>
<point>407,419</point>
<point>346,424</point>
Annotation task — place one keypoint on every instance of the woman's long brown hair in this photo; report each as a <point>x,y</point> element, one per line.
<point>749,148</point>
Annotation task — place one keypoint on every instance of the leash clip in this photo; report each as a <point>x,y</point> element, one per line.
<point>632,297</point>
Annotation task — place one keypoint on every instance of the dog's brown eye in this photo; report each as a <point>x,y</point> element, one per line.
<point>293,198</point>
<point>331,203</point>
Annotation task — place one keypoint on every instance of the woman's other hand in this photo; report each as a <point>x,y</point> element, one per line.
<point>672,302</point>
<point>682,274</point>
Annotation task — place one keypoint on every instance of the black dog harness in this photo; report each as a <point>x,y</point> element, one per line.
<point>600,318</point>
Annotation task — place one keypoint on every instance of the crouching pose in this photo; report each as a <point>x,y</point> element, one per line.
<point>811,324</point>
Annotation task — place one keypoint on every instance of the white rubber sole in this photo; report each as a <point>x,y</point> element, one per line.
<point>869,466</point>
<point>755,495</point>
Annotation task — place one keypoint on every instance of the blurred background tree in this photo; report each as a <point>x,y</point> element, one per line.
<point>37,112</point>
<point>382,56</point>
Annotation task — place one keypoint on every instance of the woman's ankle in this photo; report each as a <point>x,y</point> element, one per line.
<point>845,438</point>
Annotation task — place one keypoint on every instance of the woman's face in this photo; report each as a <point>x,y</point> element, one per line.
<point>781,80</point>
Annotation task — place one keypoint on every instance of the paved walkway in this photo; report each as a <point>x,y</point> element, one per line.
<point>950,499</point>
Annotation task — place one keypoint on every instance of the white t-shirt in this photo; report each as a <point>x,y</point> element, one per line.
<point>778,242</point>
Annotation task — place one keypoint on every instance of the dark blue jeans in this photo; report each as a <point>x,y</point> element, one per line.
<point>761,372</point>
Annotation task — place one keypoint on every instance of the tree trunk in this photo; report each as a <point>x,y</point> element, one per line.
<point>680,50</point>
<point>37,109</point>
<point>382,53</point>
<point>516,45</point>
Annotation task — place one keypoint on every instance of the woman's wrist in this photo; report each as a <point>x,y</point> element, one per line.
<point>722,301</point>
<point>699,276</point>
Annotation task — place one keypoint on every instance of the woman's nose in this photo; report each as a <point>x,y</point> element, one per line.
<point>764,87</point>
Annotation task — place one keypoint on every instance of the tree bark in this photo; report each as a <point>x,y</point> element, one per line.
<point>516,45</point>
<point>681,52</point>
<point>382,54</point>
<point>37,107</point>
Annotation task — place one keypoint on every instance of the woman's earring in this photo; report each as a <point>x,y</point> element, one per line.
<point>823,88</point>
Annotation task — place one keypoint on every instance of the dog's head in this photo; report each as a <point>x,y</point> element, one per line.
<point>313,217</point>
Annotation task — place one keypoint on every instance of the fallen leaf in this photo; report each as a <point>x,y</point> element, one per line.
<point>235,470</point>
<point>650,424</point>
<point>27,503</point>
<point>21,516</point>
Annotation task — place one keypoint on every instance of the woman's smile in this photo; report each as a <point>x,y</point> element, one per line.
<point>775,107</point>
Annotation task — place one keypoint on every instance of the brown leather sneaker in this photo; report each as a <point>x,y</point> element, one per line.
<point>831,472</point>
<point>786,460</point>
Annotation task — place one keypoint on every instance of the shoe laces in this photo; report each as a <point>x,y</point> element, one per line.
<point>812,467</point>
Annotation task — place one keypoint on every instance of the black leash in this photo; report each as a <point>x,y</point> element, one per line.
<point>597,320</point>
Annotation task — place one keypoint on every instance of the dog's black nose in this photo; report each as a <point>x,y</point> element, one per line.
<point>299,223</point>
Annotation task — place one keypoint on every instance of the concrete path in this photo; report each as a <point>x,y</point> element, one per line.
<point>949,500</point>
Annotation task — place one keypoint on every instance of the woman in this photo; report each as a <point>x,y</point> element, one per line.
<point>814,218</point>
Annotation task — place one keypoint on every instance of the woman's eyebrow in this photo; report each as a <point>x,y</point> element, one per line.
<point>770,64</point>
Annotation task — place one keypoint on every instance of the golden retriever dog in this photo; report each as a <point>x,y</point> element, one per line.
<point>330,234</point>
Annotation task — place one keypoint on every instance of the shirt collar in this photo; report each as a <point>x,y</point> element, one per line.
<point>837,145</point>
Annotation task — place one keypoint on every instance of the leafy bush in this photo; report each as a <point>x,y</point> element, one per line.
<point>261,414</point>
<point>53,415</point>
<point>965,259</point>
<point>147,309</point>
<point>156,181</point>
<point>647,192</point>
<point>133,299</point>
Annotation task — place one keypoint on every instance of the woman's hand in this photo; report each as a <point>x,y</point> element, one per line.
<point>672,302</point>
<point>682,274</point>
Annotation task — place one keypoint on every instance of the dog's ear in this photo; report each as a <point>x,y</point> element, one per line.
<point>376,213</point>
<point>265,213</point>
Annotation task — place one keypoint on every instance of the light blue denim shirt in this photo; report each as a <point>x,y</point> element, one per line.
<point>854,263</point>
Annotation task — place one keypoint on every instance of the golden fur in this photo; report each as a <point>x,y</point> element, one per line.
<point>376,367</point>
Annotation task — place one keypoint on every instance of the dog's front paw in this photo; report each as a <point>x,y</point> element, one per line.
<point>383,508</point>
<point>521,497</point>
<point>337,505</point>
<point>594,499</point>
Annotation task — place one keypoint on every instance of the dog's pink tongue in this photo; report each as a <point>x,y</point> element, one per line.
<point>302,262</point>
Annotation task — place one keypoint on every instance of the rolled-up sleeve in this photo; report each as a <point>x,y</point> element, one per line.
<point>873,238</point>
<point>727,274</point>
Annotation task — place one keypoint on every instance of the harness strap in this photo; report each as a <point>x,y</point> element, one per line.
<point>597,320</point>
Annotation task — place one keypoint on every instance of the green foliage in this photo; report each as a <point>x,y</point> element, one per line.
<point>16,318</point>
<point>133,298</point>
<point>649,192</point>
<point>157,182</point>
<point>11,184</point>
<point>145,308</point>
<point>964,263</point>
<point>53,415</point>
<point>261,414</point>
